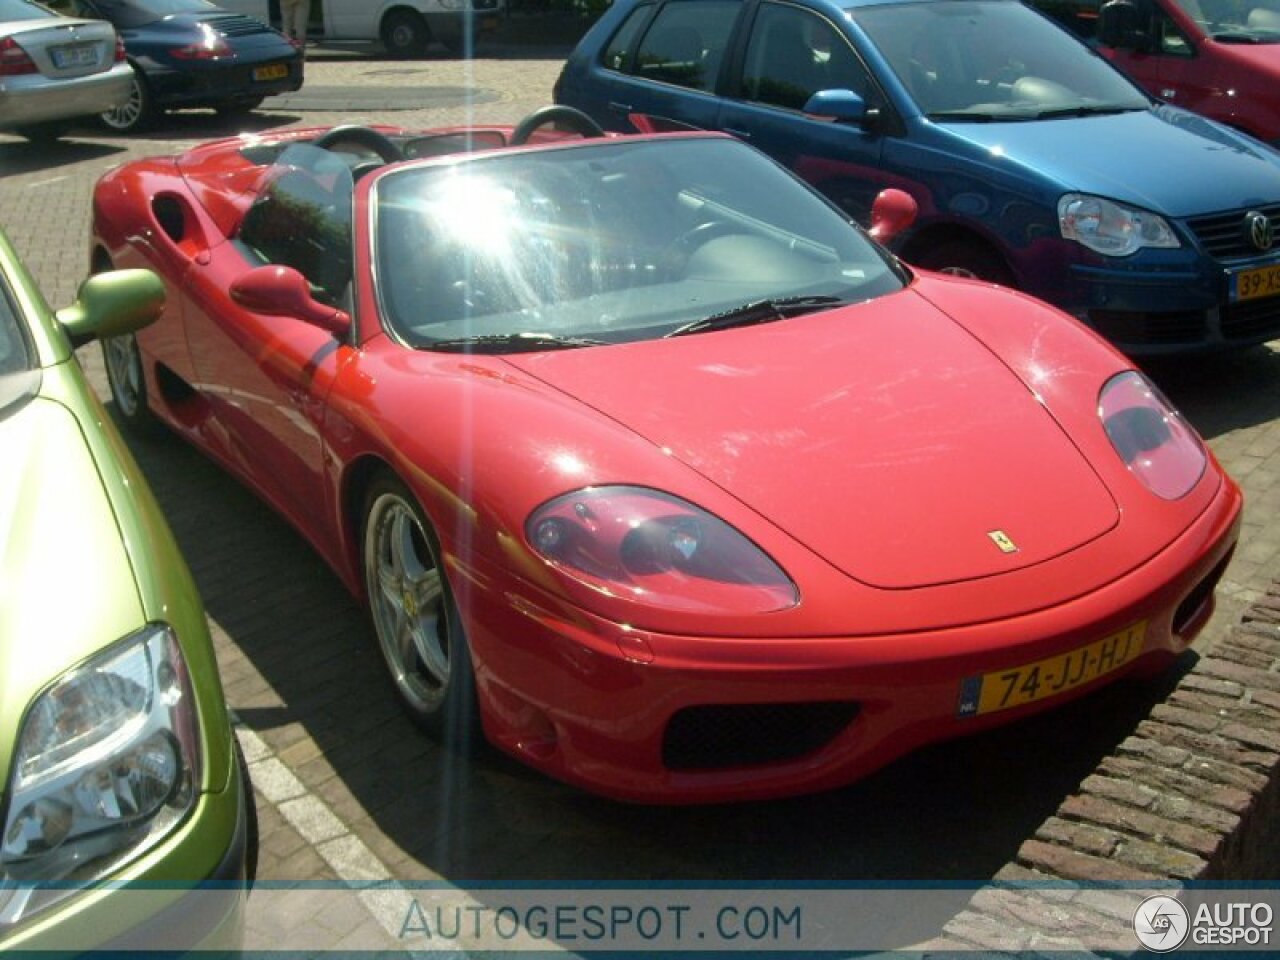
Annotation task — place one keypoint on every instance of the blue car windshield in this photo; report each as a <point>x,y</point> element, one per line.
<point>984,60</point>
<point>607,242</point>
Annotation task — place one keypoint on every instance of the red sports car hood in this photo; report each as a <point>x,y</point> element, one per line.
<point>883,436</point>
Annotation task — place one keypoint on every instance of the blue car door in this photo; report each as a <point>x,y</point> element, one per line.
<point>790,54</point>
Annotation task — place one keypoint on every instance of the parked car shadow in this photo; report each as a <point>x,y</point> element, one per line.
<point>19,156</point>
<point>301,667</point>
<point>205,125</point>
<point>1222,392</point>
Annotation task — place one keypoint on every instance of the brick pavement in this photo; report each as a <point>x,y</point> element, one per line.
<point>347,789</point>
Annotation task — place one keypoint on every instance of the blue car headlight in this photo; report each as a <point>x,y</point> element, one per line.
<point>1111,228</point>
<point>107,764</point>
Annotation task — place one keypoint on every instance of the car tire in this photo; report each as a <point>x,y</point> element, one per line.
<point>458,44</point>
<point>405,34</point>
<point>252,837</point>
<point>137,114</point>
<point>46,132</point>
<point>128,385</point>
<point>415,617</point>
<point>236,108</point>
<point>967,258</point>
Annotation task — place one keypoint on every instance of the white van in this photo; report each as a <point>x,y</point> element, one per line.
<point>405,27</point>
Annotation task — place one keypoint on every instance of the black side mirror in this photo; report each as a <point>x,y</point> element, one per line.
<point>1125,25</point>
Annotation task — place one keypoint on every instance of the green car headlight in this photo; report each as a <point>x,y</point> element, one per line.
<point>107,764</point>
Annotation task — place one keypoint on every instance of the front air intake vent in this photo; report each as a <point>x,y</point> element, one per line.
<point>751,734</point>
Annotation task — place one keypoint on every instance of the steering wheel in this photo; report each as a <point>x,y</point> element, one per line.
<point>675,256</point>
<point>365,137</point>
<point>574,119</point>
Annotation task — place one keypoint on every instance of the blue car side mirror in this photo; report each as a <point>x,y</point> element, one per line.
<point>839,105</point>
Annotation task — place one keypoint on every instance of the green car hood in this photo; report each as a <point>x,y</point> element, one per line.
<point>66,584</point>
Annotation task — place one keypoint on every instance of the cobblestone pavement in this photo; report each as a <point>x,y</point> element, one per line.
<point>347,789</point>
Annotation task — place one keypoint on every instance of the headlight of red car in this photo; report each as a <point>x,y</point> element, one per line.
<point>657,549</point>
<point>1150,435</point>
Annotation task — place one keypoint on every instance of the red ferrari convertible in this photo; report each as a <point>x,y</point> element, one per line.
<point>650,466</point>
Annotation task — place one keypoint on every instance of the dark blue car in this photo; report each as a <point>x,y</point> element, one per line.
<point>189,53</point>
<point>1034,162</point>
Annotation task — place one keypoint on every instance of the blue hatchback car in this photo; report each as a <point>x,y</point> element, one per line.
<point>1034,162</point>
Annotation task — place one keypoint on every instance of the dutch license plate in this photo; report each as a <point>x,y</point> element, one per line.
<point>1031,682</point>
<point>1257,283</point>
<point>275,71</point>
<point>77,55</point>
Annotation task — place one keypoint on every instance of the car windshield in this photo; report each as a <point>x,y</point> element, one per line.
<point>1240,21</point>
<point>14,356</point>
<point>959,64</point>
<point>14,10</point>
<point>609,242</point>
<point>134,13</point>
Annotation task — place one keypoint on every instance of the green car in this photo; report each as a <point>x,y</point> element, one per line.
<point>127,814</point>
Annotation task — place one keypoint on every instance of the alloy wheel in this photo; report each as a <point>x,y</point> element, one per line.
<point>132,114</point>
<point>409,603</point>
<point>124,373</point>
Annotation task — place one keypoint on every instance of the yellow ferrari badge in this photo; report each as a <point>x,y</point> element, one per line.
<point>1001,540</point>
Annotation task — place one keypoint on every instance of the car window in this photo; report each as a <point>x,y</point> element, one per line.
<point>1078,16</point>
<point>793,53</point>
<point>957,62</point>
<point>1255,21</point>
<point>135,13</point>
<point>14,353</point>
<point>606,242</point>
<point>11,10</point>
<point>302,219</point>
<point>74,8</point>
<point>617,52</point>
<point>1172,41</point>
<point>686,42</point>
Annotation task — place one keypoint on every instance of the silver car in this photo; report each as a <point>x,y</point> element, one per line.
<point>55,69</point>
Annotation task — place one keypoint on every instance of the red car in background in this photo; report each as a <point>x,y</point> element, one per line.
<point>649,464</point>
<point>1220,58</point>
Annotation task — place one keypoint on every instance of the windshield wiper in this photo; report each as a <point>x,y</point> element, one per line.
<point>758,311</point>
<point>526,342</point>
<point>1083,111</point>
<point>967,116</point>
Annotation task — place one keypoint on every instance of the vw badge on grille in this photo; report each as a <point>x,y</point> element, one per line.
<point>1258,227</point>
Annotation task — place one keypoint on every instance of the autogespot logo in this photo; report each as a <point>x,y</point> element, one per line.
<point>1161,924</point>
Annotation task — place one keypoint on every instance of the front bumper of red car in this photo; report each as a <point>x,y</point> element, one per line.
<point>658,718</point>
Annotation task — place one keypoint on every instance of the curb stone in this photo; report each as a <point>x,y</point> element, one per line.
<point>1192,795</point>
